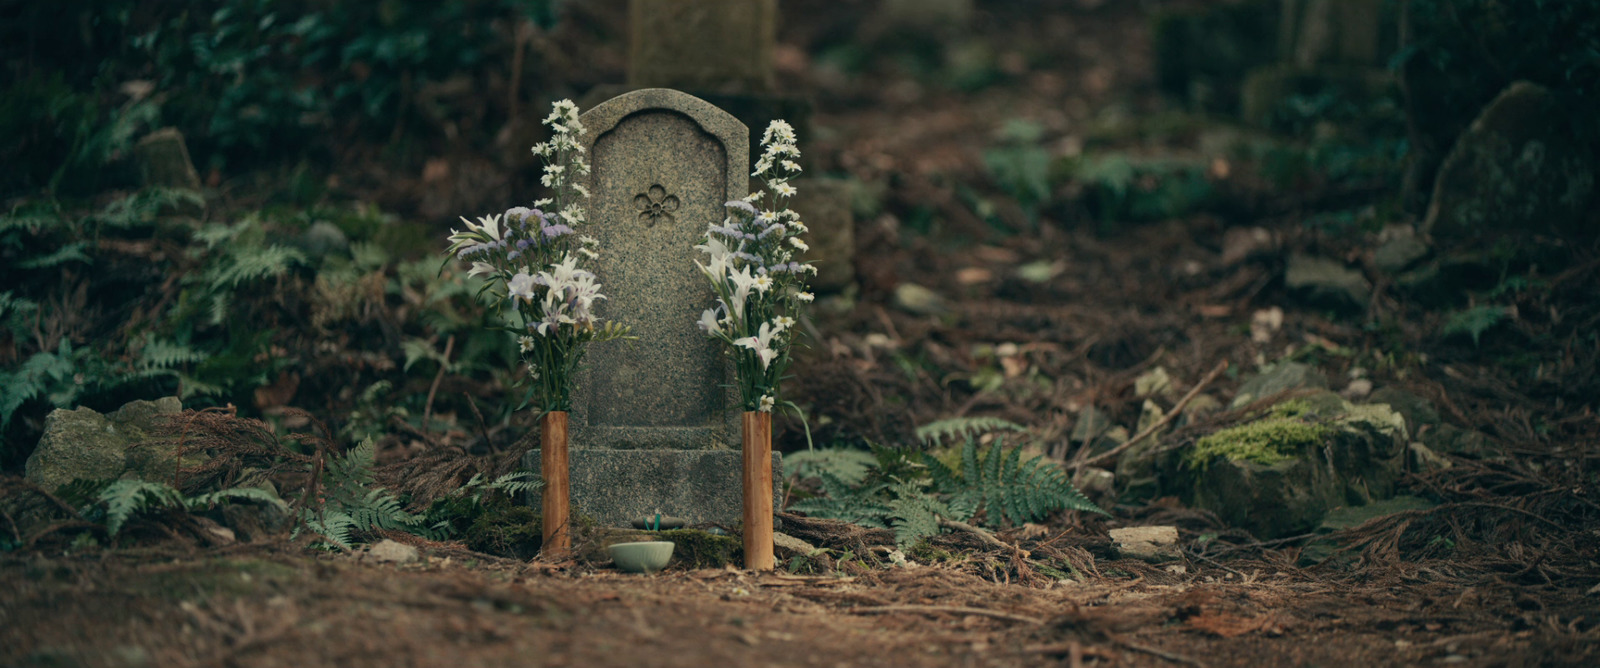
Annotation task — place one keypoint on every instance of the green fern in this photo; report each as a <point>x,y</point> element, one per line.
<point>122,499</point>
<point>353,504</point>
<point>935,432</point>
<point>1475,321</point>
<point>1006,488</point>
<point>914,514</point>
<point>847,464</point>
<point>857,504</point>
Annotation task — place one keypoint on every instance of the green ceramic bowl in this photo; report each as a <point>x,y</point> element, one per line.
<point>645,557</point>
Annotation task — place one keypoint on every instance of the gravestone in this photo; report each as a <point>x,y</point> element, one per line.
<point>655,421</point>
<point>723,51</point>
<point>689,44</point>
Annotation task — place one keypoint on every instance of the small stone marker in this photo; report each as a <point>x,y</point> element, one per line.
<point>654,421</point>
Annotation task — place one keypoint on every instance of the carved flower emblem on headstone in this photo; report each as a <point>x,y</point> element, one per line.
<point>655,205</point>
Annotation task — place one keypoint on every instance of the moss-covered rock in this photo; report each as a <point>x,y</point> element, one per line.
<point>82,444</point>
<point>1279,475</point>
<point>1516,170</point>
<point>510,531</point>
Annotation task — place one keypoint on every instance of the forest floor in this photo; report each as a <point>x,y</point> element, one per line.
<point>1518,587</point>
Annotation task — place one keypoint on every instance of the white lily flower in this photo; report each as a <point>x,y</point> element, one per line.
<point>761,343</point>
<point>480,269</point>
<point>767,402</point>
<point>521,287</point>
<point>742,282</point>
<point>708,322</point>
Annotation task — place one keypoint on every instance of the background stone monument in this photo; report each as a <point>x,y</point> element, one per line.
<point>655,422</point>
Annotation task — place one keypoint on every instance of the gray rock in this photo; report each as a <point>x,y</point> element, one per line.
<point>673,387</point>
<point>1153,544</point>
<point>1398,254</point>
<point>705,45</point>
<point>1092,422</point>
<point>388,551</point>
<point>824,206</point>
<point>616,486</point>
<point>1516,169</point>
<point>1425,460</point>
<point>1418,412</point>
<point>83,444</point>
<point>913,298</point>
<point>1242,243</point>
<point>1279,378</point>
<point>1327,283</point>
<point>77,444</point>
<point>1097,484</point>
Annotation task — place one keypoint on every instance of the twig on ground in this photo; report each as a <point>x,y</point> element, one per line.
<point>1171,415</point>
<point>483,427</point>
<point>982,535</point>
<point>1160,653</point>
<point>427,407</point>
<point>952,609</point>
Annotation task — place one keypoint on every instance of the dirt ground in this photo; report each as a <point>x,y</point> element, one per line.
<point>277,606</point>
<point>1518,587</point>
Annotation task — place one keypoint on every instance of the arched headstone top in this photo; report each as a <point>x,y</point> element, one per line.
<point>732,134</point>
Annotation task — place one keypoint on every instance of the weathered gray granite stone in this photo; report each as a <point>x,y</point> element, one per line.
<point>83,444</point>
<point>1279,378</point>
<point>663,164</point>
<point>615,486</point>
<point>705,44</point>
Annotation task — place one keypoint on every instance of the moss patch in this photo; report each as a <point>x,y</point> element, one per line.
<point>515,532</point>
<point>701,549</point>
<point>1266,441</point>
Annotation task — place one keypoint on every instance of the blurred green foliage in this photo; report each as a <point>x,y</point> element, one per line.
<point>244,80</point>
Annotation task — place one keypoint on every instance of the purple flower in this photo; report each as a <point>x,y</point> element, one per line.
<point>554,231</point>
<point>742,206</point>
<point>518,213</point>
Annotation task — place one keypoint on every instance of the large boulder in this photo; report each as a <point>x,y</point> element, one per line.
<point>1516,169</point>
<point>1278,476</point>
<point>82,444</point>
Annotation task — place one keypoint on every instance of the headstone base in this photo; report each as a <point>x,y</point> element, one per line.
<point>615,486</point>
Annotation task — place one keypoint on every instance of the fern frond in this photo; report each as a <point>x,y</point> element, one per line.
<point>160,355</point>
<point>333,525</point>
<point>847,464</point>
<point>516,483</point>
<point>247,267</point>
<point>915,514</point>
<point>253,494</point>
<point>1005,487</point>
<point>858,505</point>
<point>935,432</point>
<point>72,252</point>
<point>125,498</point>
